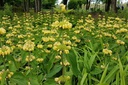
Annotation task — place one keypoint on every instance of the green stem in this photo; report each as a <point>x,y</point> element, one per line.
<point>4,62</point>
<point>63,66</point>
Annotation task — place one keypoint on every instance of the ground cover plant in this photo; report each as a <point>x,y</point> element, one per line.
<point>57,49</point>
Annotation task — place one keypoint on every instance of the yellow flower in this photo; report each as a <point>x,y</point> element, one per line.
<point>39,60</point>
<point>5,50</point>
<point>30,58</point>
<point>29,46</point>
<point>39,46</point>
<point>66,51</point>
<point>120,42</point>
<point>47,51</point>
<point>63,24</point>
<point>58,57</point>
<point>2,31</point>
<point>45,39</point>
<point>122,30</point>
<point>62,78</point>
<point>10,74</point>
<point>27,68</point>
<point>107,51</point>
<point>62,6</point>
<point>65,63</point>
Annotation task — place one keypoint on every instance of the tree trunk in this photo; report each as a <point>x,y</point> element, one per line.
<point>37,5</point>
<point>88,4</point>
<point>26,5</point>
<point>107,5</point>
<point>65,2</point>
<point>113,6</point>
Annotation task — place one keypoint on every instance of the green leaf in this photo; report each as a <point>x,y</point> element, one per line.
<point>117,78</point>
<point>93,56</point>
<point>50,82</point>
<point>55,70</point>
<point>111,73</point>
<point>86,59</point>
<point>96,71</point>
<point>72,58</point>
<point>84,77</point>
<point>50,63</point>
<point>3,78</point>
<point>122,76</point>
<point>104,75</point>
<point>33,80</point>
<point>12,67</point>
<point>19,79</point>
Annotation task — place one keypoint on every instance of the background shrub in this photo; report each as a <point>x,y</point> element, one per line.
<point>72,5</point>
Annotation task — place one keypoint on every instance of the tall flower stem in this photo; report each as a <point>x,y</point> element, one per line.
<point>63,66</point>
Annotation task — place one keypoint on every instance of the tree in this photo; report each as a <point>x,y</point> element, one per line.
<point>88,2</point>
<point>38,4</point>
<point>107,5</point>
<point>26,5</point>
<point>111,3</point>
<point>113,6</point>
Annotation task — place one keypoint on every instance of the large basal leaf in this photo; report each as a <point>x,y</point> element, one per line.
<point>19,79</point>
<point>49,64</point>
<point>55,70</point>
<point>3,78</point>
<point>33,80</point>
<point>49,82</point>
<point>12,67</point>
<point>72,58</point>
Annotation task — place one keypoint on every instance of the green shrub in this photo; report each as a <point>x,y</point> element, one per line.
<point>7,10</point>
<point>123,13</point>
<point>72,5</point>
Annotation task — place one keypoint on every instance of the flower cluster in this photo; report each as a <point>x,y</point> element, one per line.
<point>62,24</point>
<point>120,42</point>
<point>5,50</point>
<point>61,79</point>
<point>9,74</point>
<point>2,31</point>
<point>29,46</point>
<point>39,60</point>
<point>30,58</point>
<point>65,46</point>
<point>107,51</point>
<point>62,6</point>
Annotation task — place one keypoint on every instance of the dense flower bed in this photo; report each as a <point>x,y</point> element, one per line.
<point>58,49</point>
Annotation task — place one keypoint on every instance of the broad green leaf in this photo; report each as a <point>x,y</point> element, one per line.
<point>72,58</point>
<point>49,64</point>
<point>33,80</point>
<point>19,79</point>
<point>55,70</point>
<point>3,78</point>
<point>12,67</point>
<point>49,82</point>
